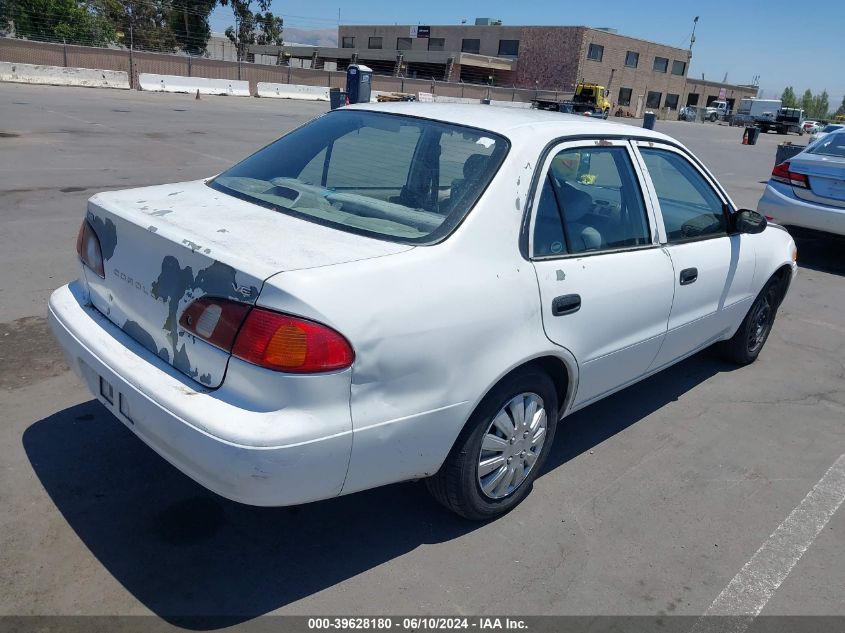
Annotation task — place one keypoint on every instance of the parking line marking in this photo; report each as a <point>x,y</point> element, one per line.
<point>763,574</point>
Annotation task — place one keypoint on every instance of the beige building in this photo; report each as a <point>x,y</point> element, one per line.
<point>639,74</point>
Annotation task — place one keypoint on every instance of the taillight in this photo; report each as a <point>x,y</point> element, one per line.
<point>269,339</point>
<point>215,320</point>
<point>782,173</point>
<point>285,343</point>
<point>88,248</point>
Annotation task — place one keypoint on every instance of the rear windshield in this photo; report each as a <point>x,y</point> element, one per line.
<point>388,176</point>
<point>830,145</point>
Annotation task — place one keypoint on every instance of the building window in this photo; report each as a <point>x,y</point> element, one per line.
<point>632,59</point>
<point>348,42</point>
<point>595,52</point>
<point>679,68</point>
<point>672,101</point>
<point>509,47</point>
<point>653,99</point>
<point>403,43</point>
<point>661,64</point>
<point>470,46</point>
<point>436,43</point>
<point>375,42</point>
<point>624,96</point>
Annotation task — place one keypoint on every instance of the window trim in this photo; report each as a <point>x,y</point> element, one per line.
<point>654,67</point>
<point>347,37</point>
<point>635,65</point>
<point>590,142</point>
<point>619,97</point>
<point>410,43</point>
<point>633,139</point>
<point>728,208</point>
<point>436,39</point>
<point>370,46</point>
<point>672,69</point>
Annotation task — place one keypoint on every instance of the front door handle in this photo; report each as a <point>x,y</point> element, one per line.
<point>567,304</point>
<point>688,276</point>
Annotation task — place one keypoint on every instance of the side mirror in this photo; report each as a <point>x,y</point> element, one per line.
<point>748,221</point>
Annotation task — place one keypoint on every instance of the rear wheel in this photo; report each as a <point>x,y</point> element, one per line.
<point>500,452</point>
<point>744,346</point>
<point>713,117</point>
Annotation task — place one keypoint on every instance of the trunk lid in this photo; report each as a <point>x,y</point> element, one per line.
<point>166,246</point>
<point>826,175</point>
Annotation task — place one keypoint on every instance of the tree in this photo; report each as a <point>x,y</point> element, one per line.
<point>253,28</point>
<point>788,98</point>
<point>841,109</point>
<point>189,23</point>
<point>73,21</point>
<point>807,101</point>
<point>821,104</point>
<point>143,24</point>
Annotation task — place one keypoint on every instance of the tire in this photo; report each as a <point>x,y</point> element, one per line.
<point>606,114</point>
<point>458,486</point>
<point>745,346</point>
<point>713,117</point>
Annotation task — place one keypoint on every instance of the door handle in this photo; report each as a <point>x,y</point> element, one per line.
<point>567,304</point>
<point>688,276</point>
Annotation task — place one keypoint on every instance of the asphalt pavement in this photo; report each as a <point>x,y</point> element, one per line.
<point>653,501</point>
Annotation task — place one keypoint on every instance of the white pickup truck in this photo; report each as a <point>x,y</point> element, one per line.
<point>716,110</point>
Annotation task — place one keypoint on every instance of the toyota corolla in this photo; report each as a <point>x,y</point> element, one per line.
<point>409,291</point>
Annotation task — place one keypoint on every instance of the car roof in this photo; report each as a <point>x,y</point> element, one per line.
<point>512,122</point>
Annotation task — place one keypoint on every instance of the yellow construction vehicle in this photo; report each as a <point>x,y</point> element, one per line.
<point>589,99</point>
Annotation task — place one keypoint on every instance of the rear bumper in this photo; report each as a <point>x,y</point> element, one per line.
<point>255,464</point>
<point>785,209</point>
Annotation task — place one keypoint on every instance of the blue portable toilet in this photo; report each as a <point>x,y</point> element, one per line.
<point>358,83</point>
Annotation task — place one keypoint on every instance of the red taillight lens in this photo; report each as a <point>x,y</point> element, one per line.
<point>215,320</point>
<point>783,174</point>
<point>290,344</point>
<point>88,248</point>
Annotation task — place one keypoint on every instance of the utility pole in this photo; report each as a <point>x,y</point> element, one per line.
<point>131,49</point>
<point>689,61</point>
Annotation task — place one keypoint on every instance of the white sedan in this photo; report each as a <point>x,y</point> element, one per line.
<point>808,190</point>
<point>405,291</point>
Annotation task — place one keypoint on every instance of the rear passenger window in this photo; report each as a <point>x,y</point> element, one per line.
<point>690,207</point>
<point>600,203</point>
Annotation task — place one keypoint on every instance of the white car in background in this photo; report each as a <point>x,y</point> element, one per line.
<point>808,190</point>
<point>404,291</point>
<point>811,127</point>
<point>827,129</point>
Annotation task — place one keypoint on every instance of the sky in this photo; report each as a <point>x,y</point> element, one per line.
<point>779,40</point>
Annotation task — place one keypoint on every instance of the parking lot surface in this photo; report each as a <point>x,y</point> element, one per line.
<point>652,501</point>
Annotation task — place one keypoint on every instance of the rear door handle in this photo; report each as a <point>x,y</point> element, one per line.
<point>688,276</point>
<point>567,304</point>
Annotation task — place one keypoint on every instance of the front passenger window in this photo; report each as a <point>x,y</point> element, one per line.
<point>690,207</point>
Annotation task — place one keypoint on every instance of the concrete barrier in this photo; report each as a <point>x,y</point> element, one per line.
<point>177,83</point>
<point>60,76</point>
<point>427,97</point>
<point>293,91</point>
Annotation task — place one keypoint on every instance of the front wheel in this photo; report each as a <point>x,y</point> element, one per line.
<point>744,347</point>
<point>713,118</point>
<point>501,450</point>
